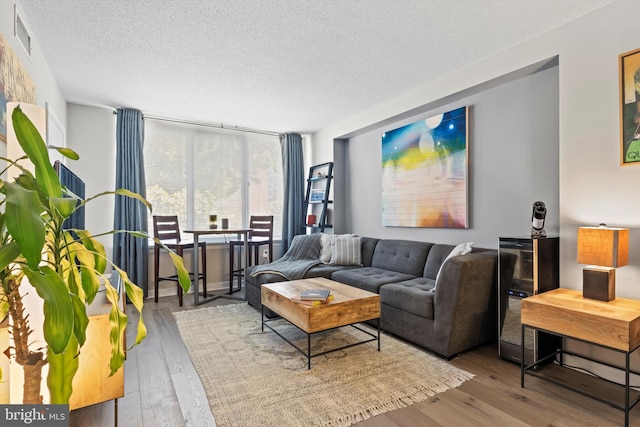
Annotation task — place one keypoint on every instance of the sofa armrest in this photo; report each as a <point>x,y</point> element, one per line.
<point>465,309</point>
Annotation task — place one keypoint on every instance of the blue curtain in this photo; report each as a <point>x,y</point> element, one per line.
<point>293,174</point>
<point>130,253</point>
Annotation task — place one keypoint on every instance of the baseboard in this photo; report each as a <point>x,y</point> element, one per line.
<point>168,289</point>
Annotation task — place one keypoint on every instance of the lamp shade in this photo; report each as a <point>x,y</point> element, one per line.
<point>603,246</point>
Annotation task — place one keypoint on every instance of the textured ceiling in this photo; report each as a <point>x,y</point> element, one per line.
<point>279,65</point>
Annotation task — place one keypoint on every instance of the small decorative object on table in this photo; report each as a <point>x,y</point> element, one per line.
<point>603,249</point>
<point>213,222</point>
<point>315,294</point>
<point>225,223</point>
<point>537,220</point>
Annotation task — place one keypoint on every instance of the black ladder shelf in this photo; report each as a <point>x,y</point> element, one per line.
<point>317,200</point>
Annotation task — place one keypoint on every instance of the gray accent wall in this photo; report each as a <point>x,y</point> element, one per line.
<point>513,162</point>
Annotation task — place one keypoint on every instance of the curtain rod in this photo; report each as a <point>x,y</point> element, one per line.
<point>208,124</point>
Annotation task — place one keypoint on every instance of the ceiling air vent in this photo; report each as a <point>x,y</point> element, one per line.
<point>22,32</point>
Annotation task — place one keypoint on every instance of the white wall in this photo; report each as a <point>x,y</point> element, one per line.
<point>47,90</point>
<point>593,187</point>
<point>516,120</point>
<point>92,134</point>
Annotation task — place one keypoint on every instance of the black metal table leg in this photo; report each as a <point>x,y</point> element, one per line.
<point>626,390</point>
<point>522,356</point>
<point>308,351</point>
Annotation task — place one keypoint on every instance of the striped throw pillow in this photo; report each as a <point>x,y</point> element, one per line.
<point>345,250</point>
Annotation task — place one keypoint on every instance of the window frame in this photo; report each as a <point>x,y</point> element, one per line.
<point>244,186</point>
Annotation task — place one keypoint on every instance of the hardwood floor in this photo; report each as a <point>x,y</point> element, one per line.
<point>162,389</point>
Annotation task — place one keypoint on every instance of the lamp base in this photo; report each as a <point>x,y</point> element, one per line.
<point>599,283</point>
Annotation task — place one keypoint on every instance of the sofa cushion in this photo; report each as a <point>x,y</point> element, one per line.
<point>326,270</point>
<point>367,250</point>
<point>413,296</point>
<point>403,256</point>
<point>461,249</point>
<point>325,251</point>
<point>262,278</point>
<point>345,250</point>
<point>369,278</point>
<point>437,255</point>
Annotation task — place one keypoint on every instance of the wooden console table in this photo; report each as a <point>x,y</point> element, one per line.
<point>613,325</point>
<point>93,383</point>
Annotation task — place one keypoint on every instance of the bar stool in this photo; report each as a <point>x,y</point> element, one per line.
<point>261,234</point>
<point>167,230</point>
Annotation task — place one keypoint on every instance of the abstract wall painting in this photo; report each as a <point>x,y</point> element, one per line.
<point>425,173</point>
<point>15,83</point>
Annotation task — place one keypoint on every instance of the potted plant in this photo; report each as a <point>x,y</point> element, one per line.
<point>66,268</point>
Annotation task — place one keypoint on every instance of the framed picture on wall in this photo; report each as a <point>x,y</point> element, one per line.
<point>15,84</point>
<point>630,107</point>
<point>425,172</point>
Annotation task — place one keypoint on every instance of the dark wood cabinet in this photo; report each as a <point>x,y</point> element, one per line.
<point>535,264</point>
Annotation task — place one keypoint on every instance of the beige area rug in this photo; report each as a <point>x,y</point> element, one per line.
<point>255,378</point>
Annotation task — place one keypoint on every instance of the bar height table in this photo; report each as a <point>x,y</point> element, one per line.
<point>196,257</point>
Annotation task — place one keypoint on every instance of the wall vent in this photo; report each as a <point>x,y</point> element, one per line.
<point>21,31</point>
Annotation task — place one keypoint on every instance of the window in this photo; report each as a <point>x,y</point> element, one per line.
<point>194,171</point>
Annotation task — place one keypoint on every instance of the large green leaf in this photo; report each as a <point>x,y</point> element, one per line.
<point>2,215</point>
<point>89,277</point>
<point>57,308</point>
<point>183,273</point>
<point>4,306</point>
<point>8,254</point>
<point>122,192</point>
<point>93,245</point>
<point>73,280</point>
<point>67,152</point>
<point>136,296</point>
<point>90,283</point>
<point>62,368</point>
<point>81,320</point>
<point>27,181</point>
<point>118,321</point>
<point>33,145</point>
<point>64,205</point>
<point>24,222</point>
<point>178,262</point>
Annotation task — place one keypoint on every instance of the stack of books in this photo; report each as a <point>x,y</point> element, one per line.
<point>314,296</point>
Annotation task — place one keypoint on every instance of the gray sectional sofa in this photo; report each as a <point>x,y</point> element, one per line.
<point>461,313</point>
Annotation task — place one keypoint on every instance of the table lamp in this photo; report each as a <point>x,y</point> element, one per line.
<point>603,248</point>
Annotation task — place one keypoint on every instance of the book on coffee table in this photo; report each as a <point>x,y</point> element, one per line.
<point>314,294</point>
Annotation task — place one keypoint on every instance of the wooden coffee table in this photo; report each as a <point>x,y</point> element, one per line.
<point>348,307</point>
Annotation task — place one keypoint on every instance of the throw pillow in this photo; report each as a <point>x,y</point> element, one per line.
<point>461,249</point>
<point>345,250</point>
<point>325,251</point>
